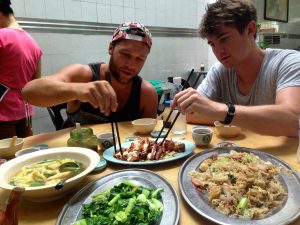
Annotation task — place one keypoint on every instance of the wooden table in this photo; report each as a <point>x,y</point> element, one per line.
<point>31,213</point>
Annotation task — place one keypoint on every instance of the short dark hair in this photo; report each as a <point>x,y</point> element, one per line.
<point>236,13</point>
<point>5,7</point>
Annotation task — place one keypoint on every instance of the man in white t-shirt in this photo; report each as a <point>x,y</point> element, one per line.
<point>249,87</point>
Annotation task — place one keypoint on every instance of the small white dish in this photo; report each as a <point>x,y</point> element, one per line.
<point>226,144</point>
<point>26,151</point>
<point>156,133</point>
<point>132,138</point>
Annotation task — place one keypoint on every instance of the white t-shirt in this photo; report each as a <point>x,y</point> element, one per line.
<point>279,69</point>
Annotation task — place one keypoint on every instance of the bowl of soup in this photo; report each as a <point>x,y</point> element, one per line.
<point>50,174</point>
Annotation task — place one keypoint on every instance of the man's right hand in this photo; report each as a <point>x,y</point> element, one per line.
<point>99,94</point>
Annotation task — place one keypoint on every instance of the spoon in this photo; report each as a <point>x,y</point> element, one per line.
<point>68,166</point>
<point>60,184</point>
<point>13,141</point>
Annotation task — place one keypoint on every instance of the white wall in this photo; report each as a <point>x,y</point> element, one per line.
<point>168,13</point>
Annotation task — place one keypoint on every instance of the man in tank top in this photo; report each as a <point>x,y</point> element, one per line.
<point>102,92</point>
<point>249,87</point>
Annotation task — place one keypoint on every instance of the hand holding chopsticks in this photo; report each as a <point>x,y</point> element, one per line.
<point>173,122</point>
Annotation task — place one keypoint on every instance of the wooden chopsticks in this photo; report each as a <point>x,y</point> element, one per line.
<point>118,136</point>
<point>173,122</point>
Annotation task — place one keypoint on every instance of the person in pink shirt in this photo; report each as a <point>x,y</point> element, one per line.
<point>20,62</point>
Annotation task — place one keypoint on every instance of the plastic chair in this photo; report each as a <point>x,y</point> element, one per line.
<point>56,116</point>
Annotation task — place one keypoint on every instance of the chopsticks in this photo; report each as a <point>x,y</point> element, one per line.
<point>164,125</point>
<point>118,136</point>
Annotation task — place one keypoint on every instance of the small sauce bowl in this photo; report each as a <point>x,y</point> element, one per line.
<point>226,144</point>
<point>26,151</point>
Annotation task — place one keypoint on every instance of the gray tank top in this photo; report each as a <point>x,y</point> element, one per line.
<point>87,114</point>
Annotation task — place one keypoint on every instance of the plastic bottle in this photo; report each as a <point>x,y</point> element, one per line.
<point>202,67</point>
<point>179,127</point>
<point>176,87</point>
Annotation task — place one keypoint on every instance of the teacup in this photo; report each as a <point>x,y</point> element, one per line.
<point>105,141</point>
<point>202,136</point>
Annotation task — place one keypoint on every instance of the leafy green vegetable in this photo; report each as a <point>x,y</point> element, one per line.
<point>124,204</point>
<point>156,193</point>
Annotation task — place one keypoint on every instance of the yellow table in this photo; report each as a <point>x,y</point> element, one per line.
<point>31,213</point>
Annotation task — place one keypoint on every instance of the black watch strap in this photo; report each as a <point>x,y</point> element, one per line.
<point>230,113</point>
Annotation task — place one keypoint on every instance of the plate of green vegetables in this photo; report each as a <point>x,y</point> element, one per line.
<point>125,197</point>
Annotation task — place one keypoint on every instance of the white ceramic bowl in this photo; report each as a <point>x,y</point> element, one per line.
<point>9,152</point>
<point>227,131</point>
<point>202,136</point>
<point>87,157</point>
<point>144,125</point>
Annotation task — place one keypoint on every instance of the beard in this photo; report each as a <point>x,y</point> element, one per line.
<point>114,72</point>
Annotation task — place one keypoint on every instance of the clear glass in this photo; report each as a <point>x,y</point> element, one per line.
<point>298,151</point>
<point>179,127</point>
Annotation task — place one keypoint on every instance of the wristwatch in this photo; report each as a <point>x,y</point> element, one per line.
<point>230,113</point>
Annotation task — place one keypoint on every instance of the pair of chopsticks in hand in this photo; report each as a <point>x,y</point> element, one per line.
<point>114,136</point>
<point>173,122</point>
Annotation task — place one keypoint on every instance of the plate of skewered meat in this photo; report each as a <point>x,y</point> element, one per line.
<point>146,152</point>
